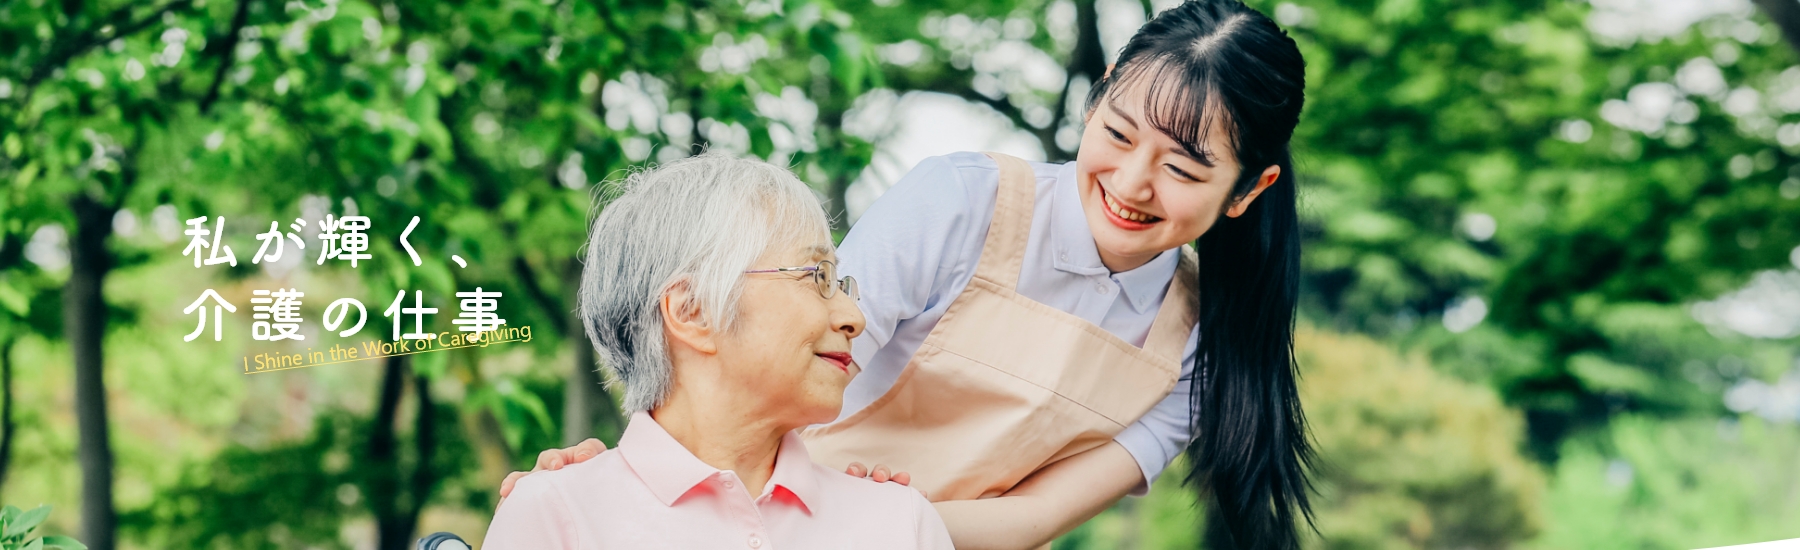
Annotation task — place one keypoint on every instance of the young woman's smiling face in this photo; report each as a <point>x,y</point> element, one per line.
<point>1142,192</point>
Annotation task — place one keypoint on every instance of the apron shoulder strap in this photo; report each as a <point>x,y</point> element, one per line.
<point>1003,253</point>
<point>1180,309</point>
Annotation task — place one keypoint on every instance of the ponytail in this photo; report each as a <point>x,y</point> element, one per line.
<point>1250,448</point>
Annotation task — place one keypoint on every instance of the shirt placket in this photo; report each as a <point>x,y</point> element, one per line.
<point>1099,293</point>
<point>754,533</point>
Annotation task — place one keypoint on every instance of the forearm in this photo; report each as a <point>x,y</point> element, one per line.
<point>1049,503</point>
<point>1005,523</point>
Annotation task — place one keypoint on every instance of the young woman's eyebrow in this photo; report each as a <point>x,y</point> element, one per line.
<point>1116,111</point>
<point>1200,158</point>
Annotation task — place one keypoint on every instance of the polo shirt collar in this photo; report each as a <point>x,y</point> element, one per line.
<point>1074,244</point>
<point>1075,252</point>
<point>670,471</point>
<point>794,471</point>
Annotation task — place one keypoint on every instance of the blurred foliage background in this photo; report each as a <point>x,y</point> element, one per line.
<point>1552,291</point>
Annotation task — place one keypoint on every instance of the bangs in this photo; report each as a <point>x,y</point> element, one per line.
<point>1181,101</point>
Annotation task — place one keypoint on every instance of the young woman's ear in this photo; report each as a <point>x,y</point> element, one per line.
<point>683,321</point>
<point>1268,178</point>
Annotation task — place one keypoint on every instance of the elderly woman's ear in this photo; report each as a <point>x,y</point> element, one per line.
<point>683,320</point>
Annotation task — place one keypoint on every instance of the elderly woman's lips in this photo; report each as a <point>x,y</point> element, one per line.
<point>841,359</point>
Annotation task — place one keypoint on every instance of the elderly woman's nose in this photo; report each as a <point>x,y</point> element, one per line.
<point>845,316</point>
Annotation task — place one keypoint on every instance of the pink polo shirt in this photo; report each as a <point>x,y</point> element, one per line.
<point>651,492</point>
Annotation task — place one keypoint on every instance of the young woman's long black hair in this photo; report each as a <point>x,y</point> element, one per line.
<point>1220,62</point>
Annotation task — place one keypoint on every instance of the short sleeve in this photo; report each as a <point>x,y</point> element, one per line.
<point>932,534</point>
<point>898,247</point>
<point>1161,434</point>
<point>535,517</point>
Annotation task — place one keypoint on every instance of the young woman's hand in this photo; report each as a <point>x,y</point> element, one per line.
<point>881,474</point>
<point>555,459</point>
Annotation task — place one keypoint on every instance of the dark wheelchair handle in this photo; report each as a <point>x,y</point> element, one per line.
<point>442,541</point>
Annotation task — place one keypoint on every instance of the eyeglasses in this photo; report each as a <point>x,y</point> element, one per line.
<point>825,276</point>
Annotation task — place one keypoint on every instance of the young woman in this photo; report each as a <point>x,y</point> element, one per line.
<point>1041,343</point>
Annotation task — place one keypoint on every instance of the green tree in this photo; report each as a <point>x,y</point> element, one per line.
<point>1508,153</point>
<point>489,120</point>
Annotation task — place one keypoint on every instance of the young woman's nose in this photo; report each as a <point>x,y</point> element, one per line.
<point>1131,180</point>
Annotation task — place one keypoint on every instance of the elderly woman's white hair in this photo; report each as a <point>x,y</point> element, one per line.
<point>700,221</point>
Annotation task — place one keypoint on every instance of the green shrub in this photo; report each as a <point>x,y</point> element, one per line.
<point>16,526</point>
<point>1692,483</point>
<point>1410,457</point>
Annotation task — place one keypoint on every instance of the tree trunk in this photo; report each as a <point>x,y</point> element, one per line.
<point>837,188</point>
<point>84,319</point>
<point>837,200</point>
<point>397,506</point>
<point>581,393</point>
<point>1785,14</point>
<point>6,409</point>
<point>384,465</point>
<point>1088,59</point>
<point>424,446</point>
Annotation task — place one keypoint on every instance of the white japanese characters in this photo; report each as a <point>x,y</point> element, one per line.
<point>274,235</point>
<point>197,230</point>
<point>478,312</point>
<point>418,311</point>
<point>351,245</point>
<point>218,318</point>
<point>277,313</point>
<point>334,316</point>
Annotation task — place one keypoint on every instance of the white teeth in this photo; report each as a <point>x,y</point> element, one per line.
<point>1120,210</point>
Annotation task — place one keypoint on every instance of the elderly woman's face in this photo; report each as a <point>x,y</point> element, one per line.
<point>789,343</point>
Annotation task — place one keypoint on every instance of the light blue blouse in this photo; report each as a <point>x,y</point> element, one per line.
<point>915,249</point>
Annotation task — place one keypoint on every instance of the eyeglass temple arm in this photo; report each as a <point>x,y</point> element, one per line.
<point>784,269</point>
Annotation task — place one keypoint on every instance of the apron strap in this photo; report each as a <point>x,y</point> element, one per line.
<point>1003,253</point>
<point>1175,319</point>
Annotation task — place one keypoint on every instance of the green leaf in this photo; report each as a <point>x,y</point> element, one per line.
<point>1598,374</point>
<point>60,541</point>
<point>36,544</point>
<point>14,300</point>
<point>27,521</point>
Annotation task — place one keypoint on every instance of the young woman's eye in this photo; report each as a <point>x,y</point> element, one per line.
<point>1181,173</point>
<point>1115,134</point>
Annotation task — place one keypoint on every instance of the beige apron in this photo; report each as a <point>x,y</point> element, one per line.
<point>1004,385</point>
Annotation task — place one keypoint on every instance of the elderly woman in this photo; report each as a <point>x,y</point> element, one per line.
<point>711,293</point>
